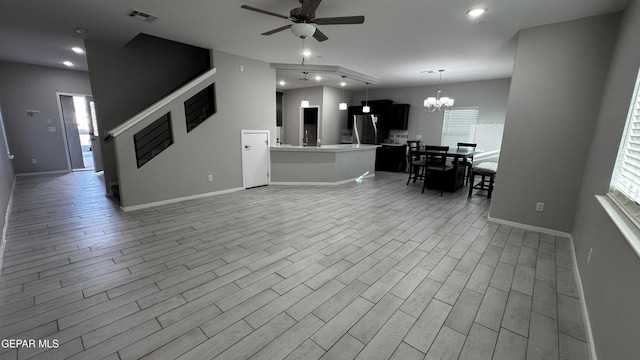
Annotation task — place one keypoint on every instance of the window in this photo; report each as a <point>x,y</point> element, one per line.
<point>625,182</point>
<point>459,125</point>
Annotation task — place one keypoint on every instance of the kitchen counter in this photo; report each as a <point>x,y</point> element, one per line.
<point>326,148</point>
<point>324,165</point>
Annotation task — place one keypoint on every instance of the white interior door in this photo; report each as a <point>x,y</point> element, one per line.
<point>255,158</point>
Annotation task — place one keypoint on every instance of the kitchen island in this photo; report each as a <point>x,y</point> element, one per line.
<point>324,165</point>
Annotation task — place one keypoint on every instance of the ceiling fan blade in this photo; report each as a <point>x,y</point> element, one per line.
<point>264,12</point>
<point>342,20</point>
<point>276,30</point>
<point>318,35</point>
<point>309,7</point>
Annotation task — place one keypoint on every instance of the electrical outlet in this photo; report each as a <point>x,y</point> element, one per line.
<point>52,129</point>
<point>34,161</point>
<point>210,177</point>
<point>418,137</point>
<point>589,256</point>
<point>540,206</point>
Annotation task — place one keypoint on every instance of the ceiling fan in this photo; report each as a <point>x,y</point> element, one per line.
<point>304,16</point>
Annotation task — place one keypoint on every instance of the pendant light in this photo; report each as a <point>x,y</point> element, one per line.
<point>305,103</point>
<point>366,109</point>
<point>343,105</point>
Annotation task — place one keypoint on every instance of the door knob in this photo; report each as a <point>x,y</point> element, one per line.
<point>247,147</point>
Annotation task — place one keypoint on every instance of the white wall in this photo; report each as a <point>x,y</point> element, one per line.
<point>553,103</point>
<point>490,95</point>
<point>31,87</point>
<point>610,279</point>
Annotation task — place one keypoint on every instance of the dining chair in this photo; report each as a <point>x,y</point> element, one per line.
<point>468,162</point>
<point>436,168</point>
<point>415,162</point>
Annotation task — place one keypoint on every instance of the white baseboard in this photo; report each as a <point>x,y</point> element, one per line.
<point>172,201</point>
<point>44,173</point>
<point>529,227</point>
<point>583,304</point>
<point>320,183</point>
<point>3,239</point>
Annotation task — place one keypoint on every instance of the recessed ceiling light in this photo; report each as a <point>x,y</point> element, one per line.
<point>68,63</point>
<point>282,83</point>
<point>80,30</point>
<point>77,50</point>
<point>476,12</point>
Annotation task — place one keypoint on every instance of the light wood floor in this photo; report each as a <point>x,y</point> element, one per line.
<point>371,270</point>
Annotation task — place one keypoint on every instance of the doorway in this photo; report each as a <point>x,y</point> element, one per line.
<point>310,128</point>
<point>255,158</point>
<point>81,134</point>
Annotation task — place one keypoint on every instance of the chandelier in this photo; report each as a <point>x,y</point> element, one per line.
<point>438,103</point>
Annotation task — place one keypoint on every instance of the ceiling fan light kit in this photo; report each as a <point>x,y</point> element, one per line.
<point>304,17</point>
<point>303,30</point>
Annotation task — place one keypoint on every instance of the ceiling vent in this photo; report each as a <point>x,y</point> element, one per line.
<point>142,16</point>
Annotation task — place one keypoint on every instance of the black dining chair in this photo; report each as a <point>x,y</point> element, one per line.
<point>468,163</point>
<point>416,163</point>
<point>437,171</point>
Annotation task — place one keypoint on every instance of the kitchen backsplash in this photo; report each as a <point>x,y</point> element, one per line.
<point>399,136</point>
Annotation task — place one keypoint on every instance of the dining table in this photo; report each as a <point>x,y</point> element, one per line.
<point>458,156</point>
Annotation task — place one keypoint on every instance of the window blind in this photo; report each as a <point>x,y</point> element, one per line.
<point>459,125</point>
<point>489,136</point>
<point>625,183</point>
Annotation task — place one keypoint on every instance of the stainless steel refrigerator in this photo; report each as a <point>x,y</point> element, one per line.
<point>365,129</point>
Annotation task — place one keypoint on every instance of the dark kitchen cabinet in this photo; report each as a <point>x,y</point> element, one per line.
<point>391,158</point>
<point>399,117</point>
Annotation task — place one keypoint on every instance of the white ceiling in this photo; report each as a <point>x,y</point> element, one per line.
<point>397,42</point>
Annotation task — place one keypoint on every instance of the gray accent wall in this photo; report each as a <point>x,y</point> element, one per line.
<point>333,120</point>
<point>245,101</point>
<point>490,96</point>
<point>126,79</point>
<point>291,112</point>
<point>31,87</point>
<point>610,279</point>
<point>552,109</point>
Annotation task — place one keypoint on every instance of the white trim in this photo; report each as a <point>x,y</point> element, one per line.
<point>3,240</point>
<point>583,304</point>
<point>629,230</point>
<point>161,103</point>
<point>44,173</point>
<point>529,227</point>
<point>172,201</point>
<point>323,183</point>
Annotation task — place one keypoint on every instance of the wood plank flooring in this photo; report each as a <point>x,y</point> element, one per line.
<point>369,270</point>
